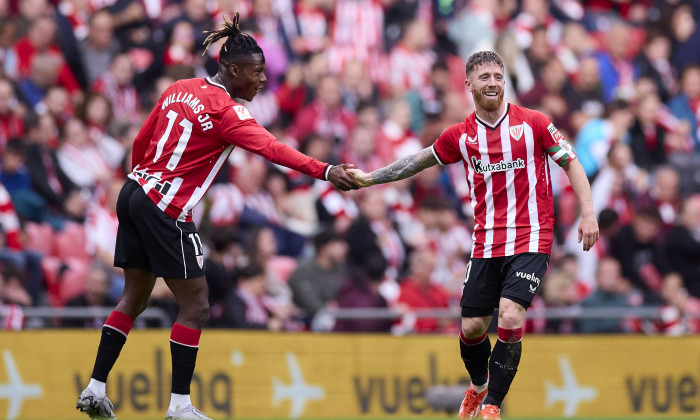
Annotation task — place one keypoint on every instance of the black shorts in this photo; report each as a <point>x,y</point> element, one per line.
<point>149,239</point>
<point>516,277</point>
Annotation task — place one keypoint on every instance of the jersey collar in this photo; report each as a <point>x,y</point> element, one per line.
<point>498,122</point>
<point>213,83</point>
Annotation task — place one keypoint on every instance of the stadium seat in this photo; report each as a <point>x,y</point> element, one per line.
<point>71,242</point>
<point>40,237</point>
<point>72,281</point>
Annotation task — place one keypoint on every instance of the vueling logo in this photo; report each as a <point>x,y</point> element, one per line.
<point>501,166</point>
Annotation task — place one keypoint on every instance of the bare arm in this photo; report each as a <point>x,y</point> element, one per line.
<point>588,228</point>
<point>403,168</point>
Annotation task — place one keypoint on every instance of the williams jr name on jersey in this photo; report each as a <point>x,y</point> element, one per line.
<point>188,136</point>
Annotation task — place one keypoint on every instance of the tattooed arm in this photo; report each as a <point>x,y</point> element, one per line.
<point>403,168</point>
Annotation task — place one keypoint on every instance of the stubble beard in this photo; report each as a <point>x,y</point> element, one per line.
<point>488,105</point>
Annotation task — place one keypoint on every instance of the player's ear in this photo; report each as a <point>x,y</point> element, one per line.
<point>468,84</point>
<point>233,69</point>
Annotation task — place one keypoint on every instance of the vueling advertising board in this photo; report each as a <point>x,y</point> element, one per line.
<point>256,375</point>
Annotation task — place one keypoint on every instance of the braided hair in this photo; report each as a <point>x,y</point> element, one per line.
<point>237,45</point>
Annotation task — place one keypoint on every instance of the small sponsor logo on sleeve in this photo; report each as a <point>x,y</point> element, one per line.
<point>243,113</point>
<point>556,135</point>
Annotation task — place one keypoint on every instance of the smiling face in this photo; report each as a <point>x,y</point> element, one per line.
<point>247,77</point>
<point>486,83</point>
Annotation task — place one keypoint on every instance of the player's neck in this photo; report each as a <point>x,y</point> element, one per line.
<point>493,116</point>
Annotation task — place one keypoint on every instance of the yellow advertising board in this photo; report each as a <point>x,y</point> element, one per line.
<point>265,375</point>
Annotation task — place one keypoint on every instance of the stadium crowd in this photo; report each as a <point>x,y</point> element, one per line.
<point>365,82</point>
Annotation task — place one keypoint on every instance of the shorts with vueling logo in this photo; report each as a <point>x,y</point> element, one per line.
<point>516,277</point>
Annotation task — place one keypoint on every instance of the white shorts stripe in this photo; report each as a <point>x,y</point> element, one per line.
<point>182,247</point>
<point>532,194</point>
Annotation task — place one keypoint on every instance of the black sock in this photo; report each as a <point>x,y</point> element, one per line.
<point>476,359</point>
<point>184,359</point>
<point>502,368</point>
<point>111,345</point>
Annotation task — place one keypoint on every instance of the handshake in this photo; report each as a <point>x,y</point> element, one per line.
<point>345,178</point>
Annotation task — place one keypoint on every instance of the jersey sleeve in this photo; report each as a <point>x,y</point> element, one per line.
<point>240,129</point>
<point>553,142</point>
<point>143,138</point>
<point>446,147</point>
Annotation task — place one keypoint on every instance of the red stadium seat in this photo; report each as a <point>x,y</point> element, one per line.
<point>71,242</point>
<point>72,282</point>
<point>40,237</point>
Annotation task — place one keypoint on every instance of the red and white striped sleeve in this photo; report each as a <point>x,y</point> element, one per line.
<point>239,128</point>
<point>9,220</point>
<point>446,147</point>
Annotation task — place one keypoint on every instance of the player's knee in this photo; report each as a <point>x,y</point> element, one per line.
<point>473,327</point>
<point>197,313</point>
<point>510,318</point>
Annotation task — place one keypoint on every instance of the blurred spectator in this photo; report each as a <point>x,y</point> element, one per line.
<point>597,136</point>
<point>647,138</point>
<point>680,313</point>
<point>683,245</point>
<point>535,13</point>
<point>361,290</point>
<point>663,194</point>
<point>613,291</point>
<point>654,62</point>
<point>316,281</point>
<point>559,291</point>
<point>686,33</point>
<point>325,116</point>
<point>99,47</point>
<point>39,41</point>
<point>220,270</point>
<point>248,306</point>
<point>395,139</point>
<point>548,93</point>
<point>11,314</point>
<point>116,84</point>
<point>373,234</point>
<point>101,231</point>
<point>95,294</point>
<point>11,125</point>
<point>686,105</point>
<point>616,69</point>
<point>79,158</point>
<point>411,59</point>
<point>181,46</point>
<point>48,179</point>
<point>452,243</point>
<point>97,114</point>
<point>642,260</point>
<point>585,95</point>
<point>261,249</point>
<point>417,292</point>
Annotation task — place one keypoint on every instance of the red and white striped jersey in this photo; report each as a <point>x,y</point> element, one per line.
<point>508,177</point>
<point>189,135</point>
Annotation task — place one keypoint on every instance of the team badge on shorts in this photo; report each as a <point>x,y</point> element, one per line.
<point>516,132</point>
<point>200,261</point>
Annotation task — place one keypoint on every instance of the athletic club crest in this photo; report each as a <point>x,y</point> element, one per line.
<point>516,131</point>
<point>200,261</point>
